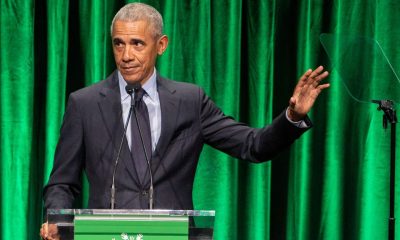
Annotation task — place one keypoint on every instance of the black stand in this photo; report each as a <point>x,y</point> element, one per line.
<point>390,116</point>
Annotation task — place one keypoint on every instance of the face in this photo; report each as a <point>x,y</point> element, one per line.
<point>135,49</point>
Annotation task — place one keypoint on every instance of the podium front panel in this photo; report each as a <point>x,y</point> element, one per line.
<point>88,224</point>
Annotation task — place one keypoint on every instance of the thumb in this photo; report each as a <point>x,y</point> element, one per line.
<point>292,102</point>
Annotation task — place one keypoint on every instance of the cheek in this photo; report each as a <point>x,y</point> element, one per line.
<point>149,59</point>
<point>144,60</point>
<point>147,55</point>
<point>141,56</point>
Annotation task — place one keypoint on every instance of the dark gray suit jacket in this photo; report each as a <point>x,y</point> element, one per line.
<point>93,127</point>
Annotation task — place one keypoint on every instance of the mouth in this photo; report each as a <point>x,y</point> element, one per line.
<point>129,69</point>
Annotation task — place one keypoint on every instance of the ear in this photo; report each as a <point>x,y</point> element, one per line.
<point>162,44</point>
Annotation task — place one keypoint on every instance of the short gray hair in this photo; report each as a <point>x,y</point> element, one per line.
<point>139,11</point>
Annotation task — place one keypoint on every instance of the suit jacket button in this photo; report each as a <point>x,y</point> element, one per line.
<point>144,193</point>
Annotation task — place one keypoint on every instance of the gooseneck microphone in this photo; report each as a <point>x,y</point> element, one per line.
<point>129,90</point>
<point>137,87</point>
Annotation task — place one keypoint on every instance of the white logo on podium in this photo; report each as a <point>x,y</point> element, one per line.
<point>125,236</point>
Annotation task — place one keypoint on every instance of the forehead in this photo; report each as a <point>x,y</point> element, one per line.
<point>139,28</point>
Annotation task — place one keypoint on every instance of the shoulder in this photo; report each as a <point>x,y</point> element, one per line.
<point>182,89</point>
<point>93,91</point>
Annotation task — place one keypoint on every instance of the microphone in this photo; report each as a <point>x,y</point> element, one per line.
<point>136,86</point>
<point>129,90</point>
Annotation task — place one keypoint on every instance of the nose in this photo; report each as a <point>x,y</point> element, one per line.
<point>128,54</point>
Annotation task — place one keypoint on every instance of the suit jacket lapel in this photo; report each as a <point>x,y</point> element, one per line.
<point>169,103</point>
<point>111,111</point>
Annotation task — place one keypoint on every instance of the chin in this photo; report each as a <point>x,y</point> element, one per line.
<point>130,78</point>
<point>132,81</point>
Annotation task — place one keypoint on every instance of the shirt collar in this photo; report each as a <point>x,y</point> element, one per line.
<point>150,86</point>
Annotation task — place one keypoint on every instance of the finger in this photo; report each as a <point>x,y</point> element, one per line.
<point>317,80</point>
<point>316,72</point>
<point>302,81</point>
<point>323,86</point>
<point>322,76</point>
<point>305,76</point>
<point>314,77</point>
<point>319,89</point>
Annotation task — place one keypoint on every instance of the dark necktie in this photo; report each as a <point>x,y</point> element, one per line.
<point>142,124</point>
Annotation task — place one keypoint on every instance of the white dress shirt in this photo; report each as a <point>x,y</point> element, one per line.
<point>152,101</point>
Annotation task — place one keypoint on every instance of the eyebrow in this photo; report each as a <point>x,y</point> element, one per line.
<point>117,40</point>
<point>132,40</point>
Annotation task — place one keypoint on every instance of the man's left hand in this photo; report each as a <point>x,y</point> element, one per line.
<point>306,92</point>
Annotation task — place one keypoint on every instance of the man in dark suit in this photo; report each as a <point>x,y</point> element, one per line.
<point>181,120</point>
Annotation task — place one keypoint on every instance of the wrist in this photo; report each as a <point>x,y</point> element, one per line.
<point>293,115</point>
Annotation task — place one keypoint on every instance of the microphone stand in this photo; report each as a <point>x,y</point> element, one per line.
<point>389,115</point>
<point>129,90</point>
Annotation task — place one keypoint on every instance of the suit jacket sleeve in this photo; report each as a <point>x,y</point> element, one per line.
<point>241,141</point>
<point>65,182</point>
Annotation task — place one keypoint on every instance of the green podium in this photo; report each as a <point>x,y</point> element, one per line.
<point>106,224</point>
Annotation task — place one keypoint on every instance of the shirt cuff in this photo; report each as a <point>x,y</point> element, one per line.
<point>299,124</point>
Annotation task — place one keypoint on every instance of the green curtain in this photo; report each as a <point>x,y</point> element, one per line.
<point>331,184</point>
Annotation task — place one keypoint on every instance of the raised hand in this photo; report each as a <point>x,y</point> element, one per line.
<point>306,92</point>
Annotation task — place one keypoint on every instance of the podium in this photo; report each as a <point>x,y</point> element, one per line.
<point>124,224</point>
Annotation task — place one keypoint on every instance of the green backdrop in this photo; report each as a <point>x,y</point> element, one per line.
<point>247,55</point>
